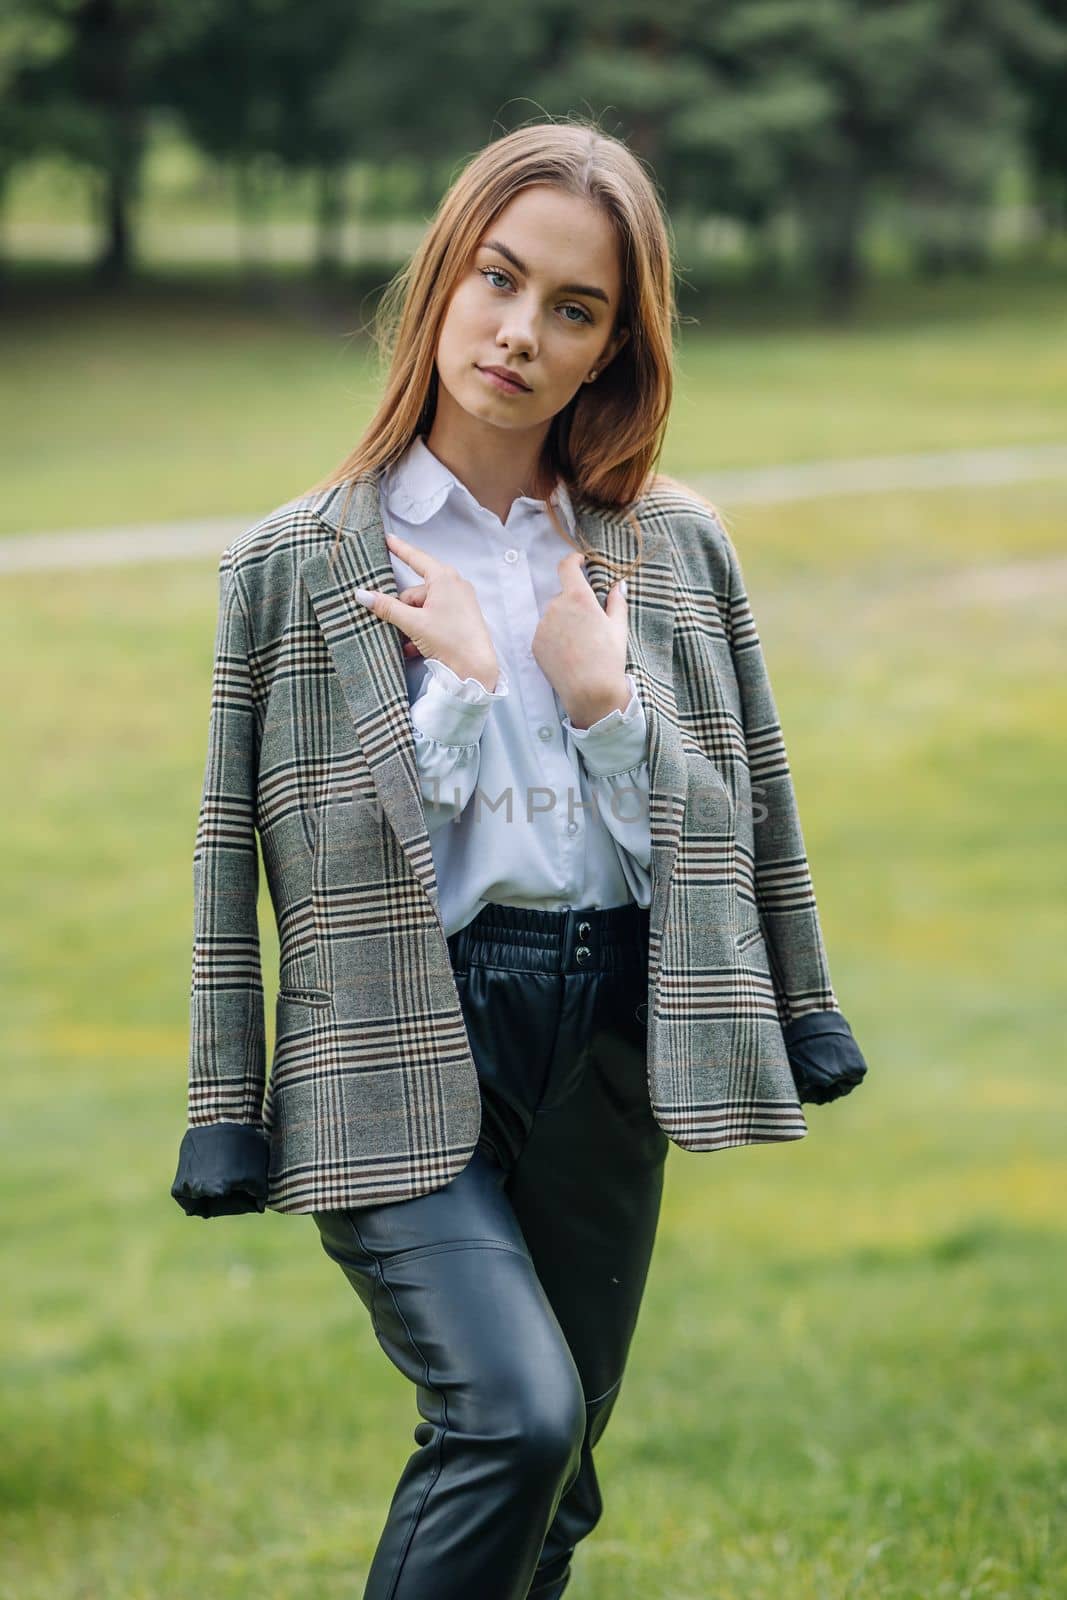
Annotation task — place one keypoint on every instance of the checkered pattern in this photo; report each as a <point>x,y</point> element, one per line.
<point>373,1093</point>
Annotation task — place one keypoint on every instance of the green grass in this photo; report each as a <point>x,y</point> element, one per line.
<point>846,1381</point>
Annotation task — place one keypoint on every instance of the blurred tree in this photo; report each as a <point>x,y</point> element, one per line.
<point>30,121</point>
<point>820,108</point>
<point>86,77</point>
<point>318,86</point>
<point>1042,77</point>
<point>254,81</point>
<point>760,111</point>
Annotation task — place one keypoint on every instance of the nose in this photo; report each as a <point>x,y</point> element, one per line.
<point>518,333</point>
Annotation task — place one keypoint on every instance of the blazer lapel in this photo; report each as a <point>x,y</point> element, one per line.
<point>649,658</point>
<point>368,658</point>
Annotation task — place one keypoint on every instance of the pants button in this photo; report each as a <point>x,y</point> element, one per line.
<point>582,953</point>
<point>583,929</point>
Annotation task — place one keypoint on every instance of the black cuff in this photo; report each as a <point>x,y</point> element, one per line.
<point>825,1059</point>
<point>222,1170</point>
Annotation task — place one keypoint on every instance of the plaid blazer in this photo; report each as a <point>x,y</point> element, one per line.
<point>373,1093</point>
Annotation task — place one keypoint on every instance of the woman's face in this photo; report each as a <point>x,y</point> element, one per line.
<point>539,298</point>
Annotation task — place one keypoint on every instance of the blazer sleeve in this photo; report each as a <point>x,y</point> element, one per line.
<point>824,1056</point>
<point>224,1154</point>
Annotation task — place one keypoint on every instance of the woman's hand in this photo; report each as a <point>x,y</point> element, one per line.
<point>440,617</point>
<point>581,648</point>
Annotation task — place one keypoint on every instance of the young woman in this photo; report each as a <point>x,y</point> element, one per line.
<point>531,928</point>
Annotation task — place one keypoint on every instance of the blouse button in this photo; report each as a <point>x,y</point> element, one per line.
<point>511,555</point>
<point>572,827</point>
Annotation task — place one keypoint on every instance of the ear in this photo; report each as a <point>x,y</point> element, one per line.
<point>618,339</point>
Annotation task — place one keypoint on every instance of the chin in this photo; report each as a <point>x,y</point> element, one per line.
<point>482,409</point>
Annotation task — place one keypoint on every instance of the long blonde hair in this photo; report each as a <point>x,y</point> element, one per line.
<point>605,442</point>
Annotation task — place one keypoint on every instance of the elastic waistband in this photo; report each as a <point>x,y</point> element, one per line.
<point>611,939</point>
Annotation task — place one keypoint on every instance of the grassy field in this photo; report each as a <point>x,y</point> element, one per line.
<point>847,1380</point>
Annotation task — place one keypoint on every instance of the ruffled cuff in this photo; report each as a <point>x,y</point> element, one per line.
<point>222,1170</point>
<point>825,1059</point>
<point>454,710</point>
<point>617,742</point>
<point>470,690</point>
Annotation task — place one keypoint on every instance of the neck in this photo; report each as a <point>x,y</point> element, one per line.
<point>495,464</point>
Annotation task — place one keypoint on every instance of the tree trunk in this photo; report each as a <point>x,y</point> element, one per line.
<point>5,178</point>
<point>114,98</point>
<point>113,262</point>
<point>329,221</point>
<point>833,220</point>
<point>249,205</point>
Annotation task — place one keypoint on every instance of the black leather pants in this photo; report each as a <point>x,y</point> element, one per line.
<point>509,1296</point>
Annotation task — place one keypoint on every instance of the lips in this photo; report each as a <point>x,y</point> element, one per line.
<point>506,375</point>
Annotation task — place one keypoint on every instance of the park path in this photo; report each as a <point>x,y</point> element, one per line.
<point>208,536</point>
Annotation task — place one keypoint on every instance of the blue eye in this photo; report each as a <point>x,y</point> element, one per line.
<point>498,272</point>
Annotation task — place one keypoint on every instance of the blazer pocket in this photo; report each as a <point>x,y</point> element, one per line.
<point>302,1016</point>
<point>306,997</point>
<point>751,947</point>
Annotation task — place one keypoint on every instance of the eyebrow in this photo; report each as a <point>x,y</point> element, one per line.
<point>589,289</point>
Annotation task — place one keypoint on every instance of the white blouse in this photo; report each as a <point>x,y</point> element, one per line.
<point>539,813</point>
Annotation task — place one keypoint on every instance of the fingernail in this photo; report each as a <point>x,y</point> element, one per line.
<point>366,595</point>
<point>622,586</point>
